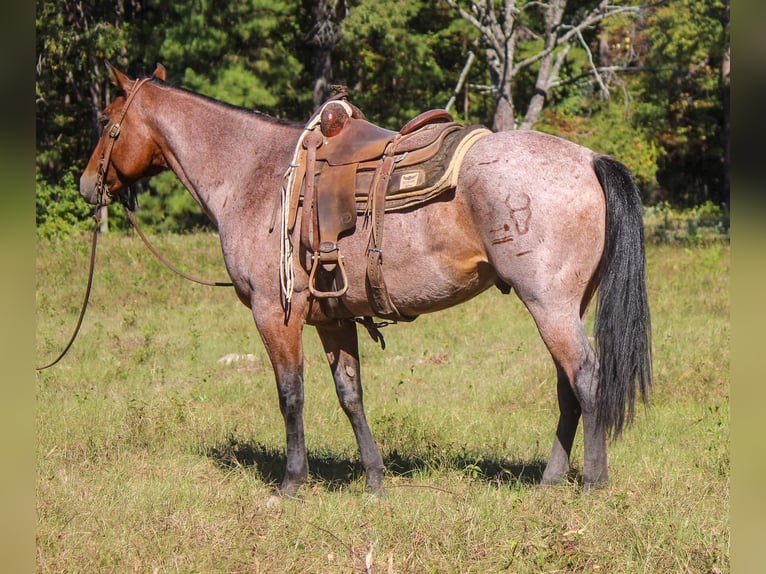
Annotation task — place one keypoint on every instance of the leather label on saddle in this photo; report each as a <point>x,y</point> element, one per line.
<point>410,179</point>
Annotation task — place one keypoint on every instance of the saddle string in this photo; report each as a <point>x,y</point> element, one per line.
<point>286,271</point>
<point>96,226</point>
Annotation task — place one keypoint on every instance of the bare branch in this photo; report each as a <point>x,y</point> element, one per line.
<point>486,23</point>
<point>602,11</point>
<point>613,69</point>
<point>593,65</point>
<point>461,79</point>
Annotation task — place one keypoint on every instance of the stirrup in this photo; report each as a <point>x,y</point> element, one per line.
<point>326,248</point>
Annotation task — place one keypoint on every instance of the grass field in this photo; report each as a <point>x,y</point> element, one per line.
<point>154,455</point>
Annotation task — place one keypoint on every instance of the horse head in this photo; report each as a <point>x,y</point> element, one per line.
<point>126,150</point>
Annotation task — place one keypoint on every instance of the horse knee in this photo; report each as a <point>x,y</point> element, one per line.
<point>348,386</point>
<point>290,397</point>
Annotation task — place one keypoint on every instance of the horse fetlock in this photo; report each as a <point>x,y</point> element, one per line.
<point>554,475</point>
<point>289,489</point>
<point>557,467</point>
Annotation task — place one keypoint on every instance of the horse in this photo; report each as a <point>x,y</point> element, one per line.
<point>554,222</point>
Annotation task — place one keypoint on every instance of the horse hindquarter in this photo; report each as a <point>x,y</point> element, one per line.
<point>541,210</point>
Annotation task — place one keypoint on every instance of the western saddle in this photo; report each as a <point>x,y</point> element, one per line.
<point>345,166</point>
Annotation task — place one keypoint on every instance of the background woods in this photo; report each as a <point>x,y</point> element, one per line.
<point>646,82</point>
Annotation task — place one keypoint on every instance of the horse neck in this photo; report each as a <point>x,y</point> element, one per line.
<point>217,150</point>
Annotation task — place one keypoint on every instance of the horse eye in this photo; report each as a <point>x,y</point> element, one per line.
<point>103,121</point>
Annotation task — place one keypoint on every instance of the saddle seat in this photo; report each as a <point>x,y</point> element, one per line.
<point>360,141</point>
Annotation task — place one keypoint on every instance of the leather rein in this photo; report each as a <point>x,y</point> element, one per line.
<point>127,202</point>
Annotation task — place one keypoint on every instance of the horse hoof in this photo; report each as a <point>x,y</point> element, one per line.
<point>591,485</point>
<point>375,482</point>
<point>553,477</point>
<point>376,490</point>
<point>288,489</point>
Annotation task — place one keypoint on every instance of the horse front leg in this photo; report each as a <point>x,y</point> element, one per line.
<point>569,418</point>
<point>341,346</point>
<point>284,346</point>
<point>290,388</point>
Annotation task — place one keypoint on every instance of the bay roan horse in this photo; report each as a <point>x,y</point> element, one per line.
<point>554,221</point>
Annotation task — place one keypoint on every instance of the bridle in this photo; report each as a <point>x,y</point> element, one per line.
<point>114,132</point>
<point>104,197</point>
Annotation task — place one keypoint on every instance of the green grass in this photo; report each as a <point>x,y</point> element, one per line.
<point>153,456</point>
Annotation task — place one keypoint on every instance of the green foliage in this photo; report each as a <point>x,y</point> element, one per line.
<point>667,122</point>
<point>389,64</point>
<point>242,52</point>
<point>683,100</point>
<point>703,224</point>
<point>59,209</point>
<point>167,207</point>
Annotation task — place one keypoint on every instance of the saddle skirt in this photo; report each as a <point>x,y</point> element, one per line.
<point>344,166</point>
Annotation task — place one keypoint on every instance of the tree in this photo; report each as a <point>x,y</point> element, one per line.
<point>518,35</point>
<point>323,37</point>
<point>391,58</point>
<point>685,98</point>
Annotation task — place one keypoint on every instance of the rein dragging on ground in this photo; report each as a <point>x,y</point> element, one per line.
<point>92,266</point>
<point>96,225</point>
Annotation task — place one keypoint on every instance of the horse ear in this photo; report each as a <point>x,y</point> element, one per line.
<point>159,72</point>
<point>119,79</point>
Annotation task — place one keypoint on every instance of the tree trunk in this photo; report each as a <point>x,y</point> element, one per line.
<point>548,71</point>
<point>503,116</point>
<point>324,36</point>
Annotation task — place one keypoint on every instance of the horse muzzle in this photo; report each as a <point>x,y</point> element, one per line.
<point>94,190</point>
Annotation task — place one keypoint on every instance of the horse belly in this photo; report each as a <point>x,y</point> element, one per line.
<point>432,259</point>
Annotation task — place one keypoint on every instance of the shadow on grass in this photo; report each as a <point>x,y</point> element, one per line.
<point>337,471</point>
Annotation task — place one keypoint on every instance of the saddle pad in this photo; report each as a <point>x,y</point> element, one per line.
<point>414,184</point>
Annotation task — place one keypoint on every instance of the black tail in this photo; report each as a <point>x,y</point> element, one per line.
<point>623,326</point>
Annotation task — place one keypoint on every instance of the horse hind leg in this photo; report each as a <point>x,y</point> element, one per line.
<point>569,418</point>
<point>341,346</point>
<point>577,383</point>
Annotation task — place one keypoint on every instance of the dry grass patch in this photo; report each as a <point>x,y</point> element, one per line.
<point>153,456</point>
